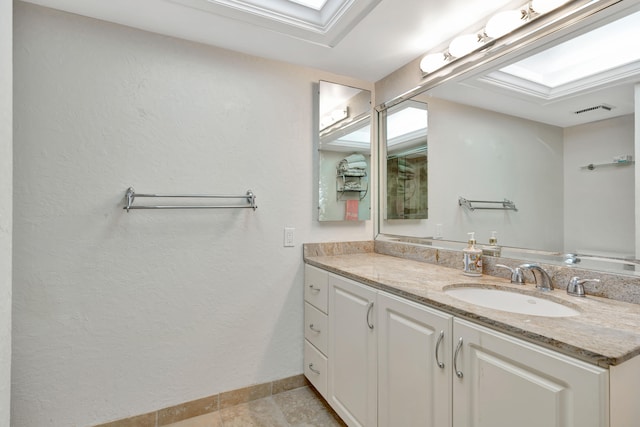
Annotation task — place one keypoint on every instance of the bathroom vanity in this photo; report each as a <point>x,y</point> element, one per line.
<point>387,345</point>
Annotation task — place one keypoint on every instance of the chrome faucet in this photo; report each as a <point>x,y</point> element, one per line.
<point>544,283</point>
<point>516,274</point>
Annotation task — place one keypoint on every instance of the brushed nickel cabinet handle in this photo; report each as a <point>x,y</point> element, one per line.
<point>317,331</point>
<point>315,371</point>
<point>455,359</point>
<point>314,289</point>
<point>440,338</point>
<point>369,324</point>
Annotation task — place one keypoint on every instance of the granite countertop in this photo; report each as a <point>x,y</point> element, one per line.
<point>607,332</point>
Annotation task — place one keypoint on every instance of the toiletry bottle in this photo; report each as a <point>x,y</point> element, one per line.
<point>472,258</point>
<point>492,249</point>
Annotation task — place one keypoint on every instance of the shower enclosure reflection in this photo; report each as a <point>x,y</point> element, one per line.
<point>406,154</point>
<point>344,153</point>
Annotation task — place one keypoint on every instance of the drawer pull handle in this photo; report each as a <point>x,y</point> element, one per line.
<point>315,371</point>
<point>317,331</point>
<point>314,289</point>
<point>440,338</point>
<point>455,359</point>
<point>369,324</point>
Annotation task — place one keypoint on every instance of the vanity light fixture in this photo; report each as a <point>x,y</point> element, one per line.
<point>504,22</point>
<point>544,6</point>
<point>497,26</point>
<point>433,61</point>
<point>464,45</point>
<point>333,117</point>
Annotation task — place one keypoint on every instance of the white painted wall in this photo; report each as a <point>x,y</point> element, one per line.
<point>473,153</point>
<point>6,180</point>
<point>118,314</point>
<point>599,203</point>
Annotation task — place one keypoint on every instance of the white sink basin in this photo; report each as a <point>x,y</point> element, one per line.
<point>513,302</point>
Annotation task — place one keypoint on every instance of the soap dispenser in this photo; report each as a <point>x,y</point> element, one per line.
<point>472,258</point>
<point>492,249</point>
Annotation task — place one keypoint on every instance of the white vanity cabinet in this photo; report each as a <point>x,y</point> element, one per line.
<point>316,327</point>
<point>501,381</point>
<point>414,364</point>
<point>352,391</point>
<point>391,362</point>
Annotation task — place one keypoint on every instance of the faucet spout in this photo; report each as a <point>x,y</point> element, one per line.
<point>544,282</point>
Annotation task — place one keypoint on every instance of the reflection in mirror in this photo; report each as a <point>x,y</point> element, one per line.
<point>344,153</point>
<point>406,154</point>
<point>560,145</point>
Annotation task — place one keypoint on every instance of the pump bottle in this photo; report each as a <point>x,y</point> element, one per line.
<point>492,249</point>
<point>472,258</point>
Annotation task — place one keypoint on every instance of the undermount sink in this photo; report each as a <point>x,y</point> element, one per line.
<point>511,301</point>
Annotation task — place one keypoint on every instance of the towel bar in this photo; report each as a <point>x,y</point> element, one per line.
<point>131,195</point>
<point>507,205</point>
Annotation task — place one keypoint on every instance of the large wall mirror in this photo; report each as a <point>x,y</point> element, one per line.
<point>344,153</point>
<point>538,146</point>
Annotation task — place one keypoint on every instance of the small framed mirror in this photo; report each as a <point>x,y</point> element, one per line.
<point>344,153</point>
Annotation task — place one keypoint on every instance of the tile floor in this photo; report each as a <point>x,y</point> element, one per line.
<point>301,407</point>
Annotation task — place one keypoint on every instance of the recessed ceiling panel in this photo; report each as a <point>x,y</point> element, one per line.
<point>323,22</point>
<point>598,57</point>
<point>313,4</point>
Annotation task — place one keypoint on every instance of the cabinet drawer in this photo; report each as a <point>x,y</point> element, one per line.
<point>316,284</point>
<point>315,368</point>
<point>315,327</point>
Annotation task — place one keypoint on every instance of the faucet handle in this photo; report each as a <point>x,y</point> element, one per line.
<point>516,274</point>
<point>576,286</point>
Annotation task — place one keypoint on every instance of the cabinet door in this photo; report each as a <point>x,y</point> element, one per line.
<point>500,381</point>
<point>414,364</point>
<point>352,352</point>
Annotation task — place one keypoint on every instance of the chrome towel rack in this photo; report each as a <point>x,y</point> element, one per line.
<point>131,195</point>
<point>592,166</point>
<point>507,205</point>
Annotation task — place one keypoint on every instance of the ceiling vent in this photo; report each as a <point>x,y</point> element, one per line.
<point>594,108</point>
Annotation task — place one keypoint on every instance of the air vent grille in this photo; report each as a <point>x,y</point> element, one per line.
<point>594,108</point>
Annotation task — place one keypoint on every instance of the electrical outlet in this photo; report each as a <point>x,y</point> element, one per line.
<point>289,234</point>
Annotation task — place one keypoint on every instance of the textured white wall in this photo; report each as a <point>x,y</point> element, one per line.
<point>6,160</point>
<point>482,155</point>
<point>118,314</point>
<point>599,204</point>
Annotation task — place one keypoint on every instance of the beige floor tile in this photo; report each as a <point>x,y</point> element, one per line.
<point>290,383</point>
<point>187,410</point>
<point>208,420</point>
<point>259,413</point>
<point>244,395</point>
<point>303,407</point>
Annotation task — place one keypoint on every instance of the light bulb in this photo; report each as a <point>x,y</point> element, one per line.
<point>464,44</point>
<point>544,6</point>
<point>503,23</point>
<point>432,62</point>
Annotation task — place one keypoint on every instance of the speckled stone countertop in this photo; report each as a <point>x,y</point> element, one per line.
<point>607,332</point>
